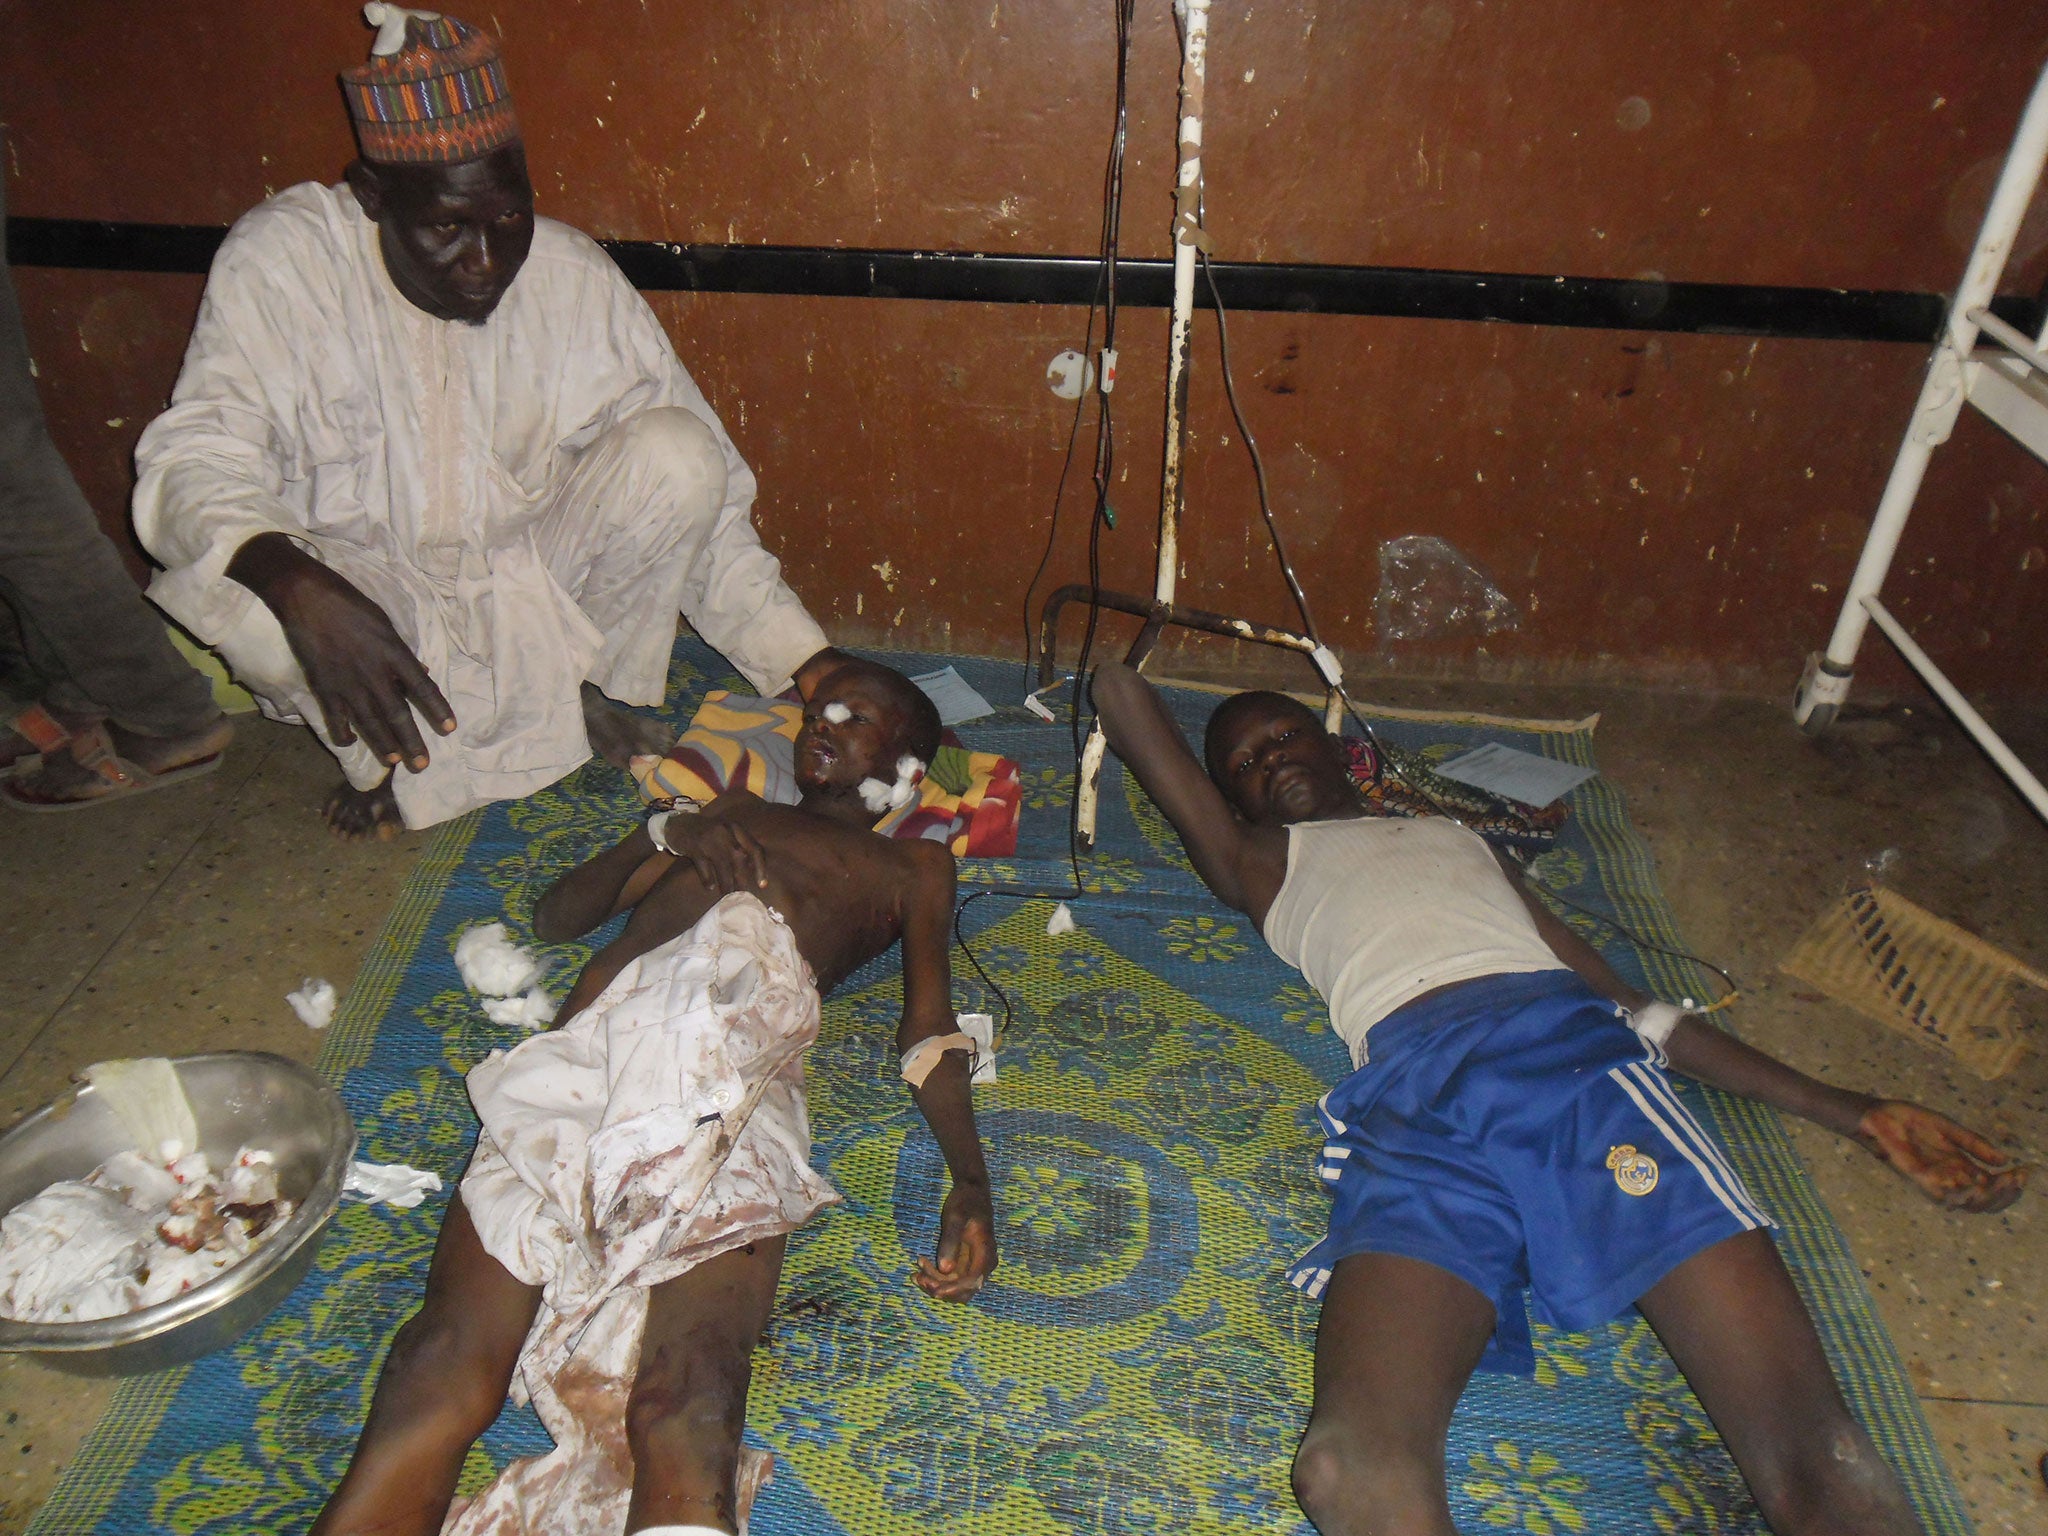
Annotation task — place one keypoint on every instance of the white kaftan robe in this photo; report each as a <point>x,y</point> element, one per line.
<point>660,1127</point>
<point>530,499</point>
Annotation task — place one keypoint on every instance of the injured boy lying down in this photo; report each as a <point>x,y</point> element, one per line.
<point>1510,1131</point>
<point>619,1235</point>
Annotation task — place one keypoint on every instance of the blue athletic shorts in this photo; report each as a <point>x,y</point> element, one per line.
<point>1517,1133</point>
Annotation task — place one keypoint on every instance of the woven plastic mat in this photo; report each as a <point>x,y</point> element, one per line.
<point>1136,1365</point>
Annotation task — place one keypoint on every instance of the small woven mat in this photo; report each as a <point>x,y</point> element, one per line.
<point>1919,974</point>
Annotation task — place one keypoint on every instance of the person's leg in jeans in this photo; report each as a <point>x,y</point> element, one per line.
<point>86,632</point>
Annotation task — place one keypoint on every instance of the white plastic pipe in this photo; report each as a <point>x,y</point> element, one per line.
<point>1194,75</point>
<point>2013,340</point>
<point>1941,396</point>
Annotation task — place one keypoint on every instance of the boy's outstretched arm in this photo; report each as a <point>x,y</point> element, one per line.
<point>967,1228</point>
<point>1143,735</point>
<point>1951,1165</point>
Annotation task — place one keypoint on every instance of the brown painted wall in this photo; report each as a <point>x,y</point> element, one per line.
<point>1661,507</point>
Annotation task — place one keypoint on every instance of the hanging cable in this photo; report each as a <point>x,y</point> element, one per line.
<point>1059,493</point>
<point>1308,623</point>
<point>1104,300</point>
<point>1614,925</point>
<point>960,938</point>
<point>1105,436</point>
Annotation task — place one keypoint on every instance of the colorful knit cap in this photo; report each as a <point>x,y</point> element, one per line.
<point>433,92</point>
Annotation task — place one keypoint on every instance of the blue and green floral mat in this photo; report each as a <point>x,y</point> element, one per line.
<point>1136,1365</point>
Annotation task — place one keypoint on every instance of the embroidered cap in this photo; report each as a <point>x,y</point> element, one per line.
<point>432,93</point>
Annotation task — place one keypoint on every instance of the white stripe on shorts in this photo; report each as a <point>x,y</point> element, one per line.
<point>1662,1091</point>
<point>1685,1150</point>
<point>1337,1127</point>
<point>1653,1053</point>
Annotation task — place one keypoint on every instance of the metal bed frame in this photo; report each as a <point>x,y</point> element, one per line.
<point>1980,361</point>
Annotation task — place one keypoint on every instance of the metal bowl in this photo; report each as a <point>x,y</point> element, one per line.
<point>239,1099</point>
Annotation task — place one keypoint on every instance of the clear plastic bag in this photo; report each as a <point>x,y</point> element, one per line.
<point>1430,591</point>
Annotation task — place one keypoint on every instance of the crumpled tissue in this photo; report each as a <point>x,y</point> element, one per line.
<point>313,1002</point>
<point>389,1184</point>
<point>148,1099</point>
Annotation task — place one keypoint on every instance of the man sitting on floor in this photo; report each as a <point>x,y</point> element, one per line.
<point>1511,1131</point>
<point>432,455</point>
<point>619,1234</point>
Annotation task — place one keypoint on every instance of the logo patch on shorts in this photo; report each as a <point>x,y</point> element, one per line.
<point>1635,1172</point>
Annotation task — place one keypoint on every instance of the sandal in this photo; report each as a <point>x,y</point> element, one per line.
<point>28,736</point>
<point>101,773</point>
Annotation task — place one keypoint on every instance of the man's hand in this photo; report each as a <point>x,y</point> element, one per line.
<point>725,855</point>
<point>1954,1167</point>
<point>366,679</point>
<point>967,1245</point>
<point>817,669</point>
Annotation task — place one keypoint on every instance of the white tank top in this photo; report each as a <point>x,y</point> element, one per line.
<point>1377,911</point>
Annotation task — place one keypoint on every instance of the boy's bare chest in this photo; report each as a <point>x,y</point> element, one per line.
<point>840,890</point>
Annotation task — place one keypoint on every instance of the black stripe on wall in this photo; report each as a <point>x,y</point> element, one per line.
<point>1738,309</point>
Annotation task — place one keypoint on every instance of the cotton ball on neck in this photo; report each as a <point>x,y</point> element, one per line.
<point>908,771</point>
<point>492,964</point>
<point>880,798</point>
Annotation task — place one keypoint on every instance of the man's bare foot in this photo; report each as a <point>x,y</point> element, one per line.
<point>617,734</point>
<point>354,814</point>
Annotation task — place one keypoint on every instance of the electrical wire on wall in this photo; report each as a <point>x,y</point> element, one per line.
<point>1105,301</point>
<point>1101,514</point>
<point>1105,438</point>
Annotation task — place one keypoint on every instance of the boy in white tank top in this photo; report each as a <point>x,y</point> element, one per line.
<point>1488,1054</point>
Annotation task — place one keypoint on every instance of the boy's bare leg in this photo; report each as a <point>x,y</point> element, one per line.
<point>1397,1343</point>
<point>1734,1323</point>
<point>689,1402</point>
<point>442,1385</point>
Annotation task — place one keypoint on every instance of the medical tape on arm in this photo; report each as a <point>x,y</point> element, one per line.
<point>1655,1021</point>
<point>659,813</point>
<point>922,1057</point>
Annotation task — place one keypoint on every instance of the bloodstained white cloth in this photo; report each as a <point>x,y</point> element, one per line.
<point>660,1127</point>
<point>530,499</point>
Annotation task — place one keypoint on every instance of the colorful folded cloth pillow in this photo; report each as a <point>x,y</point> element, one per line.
<point>731,743</point>
<point>967,800</point>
